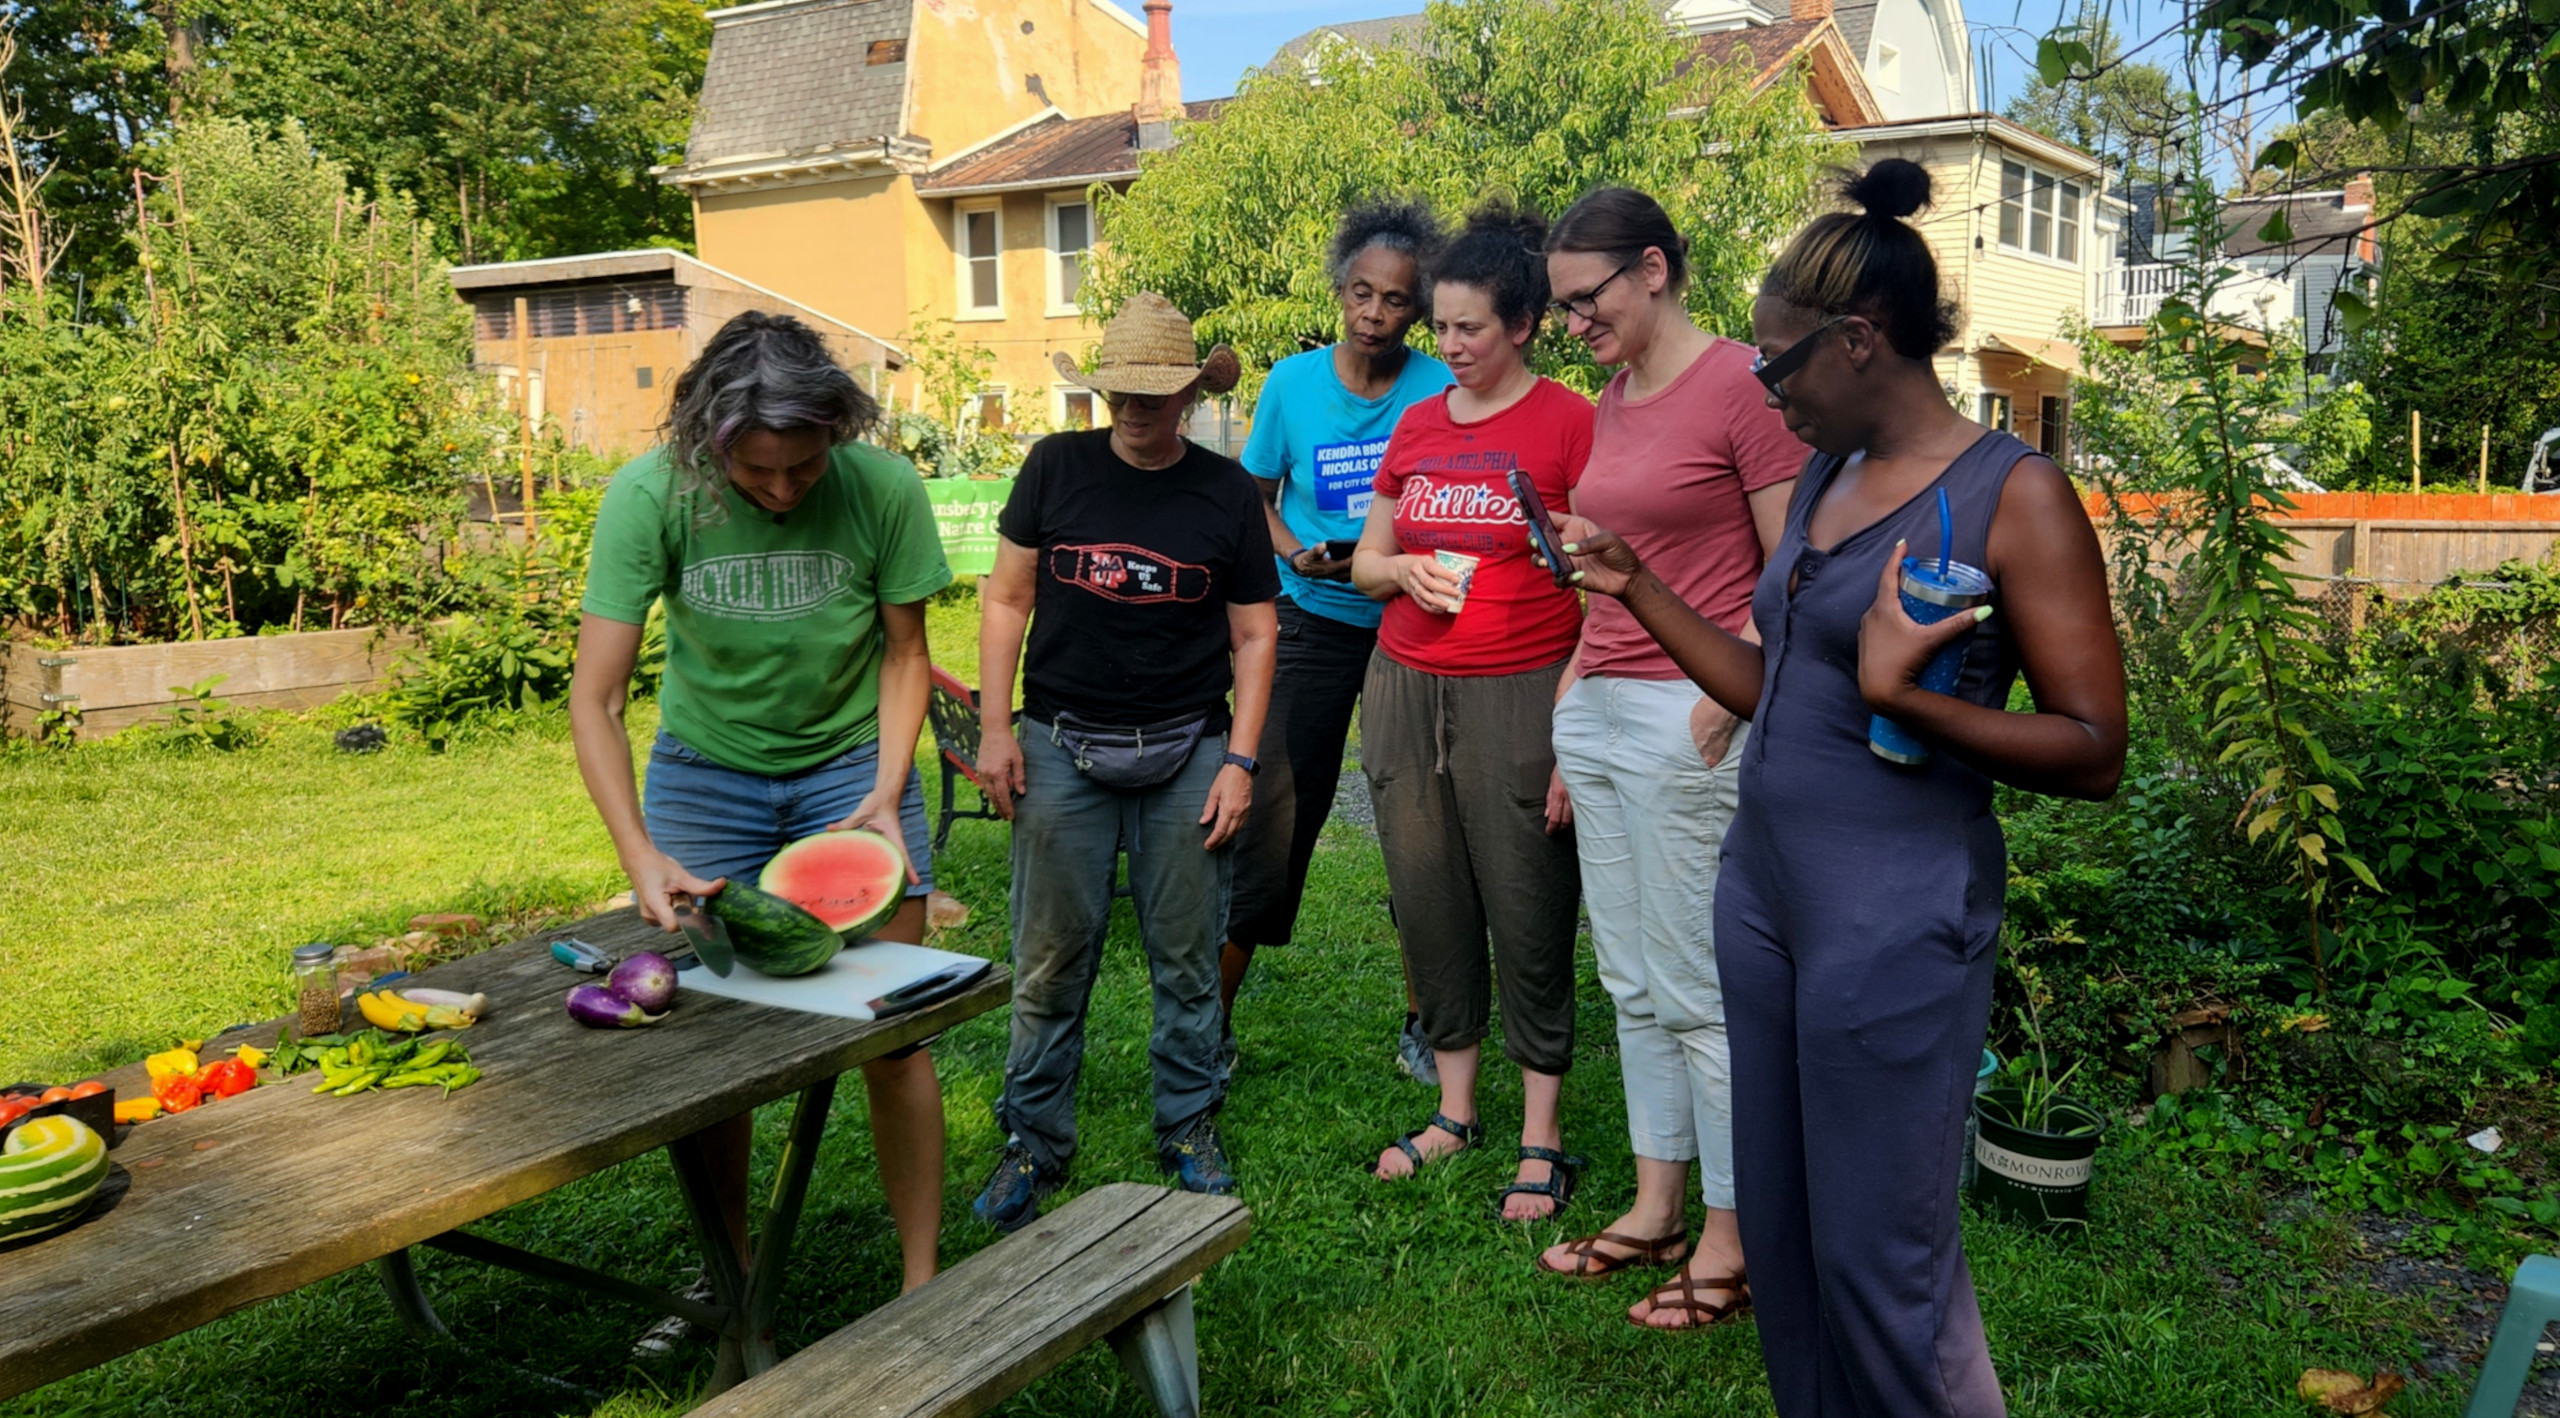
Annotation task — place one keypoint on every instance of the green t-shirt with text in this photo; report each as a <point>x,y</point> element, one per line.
<point>773,623</point>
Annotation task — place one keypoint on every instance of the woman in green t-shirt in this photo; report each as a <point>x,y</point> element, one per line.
<point>794,564</point>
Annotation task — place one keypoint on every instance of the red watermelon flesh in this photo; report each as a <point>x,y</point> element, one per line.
<point>851,880</point>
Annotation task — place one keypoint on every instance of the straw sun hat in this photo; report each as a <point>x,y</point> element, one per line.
<point>1148,348</point>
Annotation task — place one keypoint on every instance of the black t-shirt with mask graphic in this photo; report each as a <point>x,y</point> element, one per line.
<point>1135,569</point>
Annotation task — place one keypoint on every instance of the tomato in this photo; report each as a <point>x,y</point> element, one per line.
<point>12,1109</point>
<point>90,1089</point>
<point>228,1079</point>
<point>56,1094</point>
<point>177,1092</point>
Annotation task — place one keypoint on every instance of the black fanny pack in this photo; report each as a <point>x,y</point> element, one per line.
<point>1128,759</point>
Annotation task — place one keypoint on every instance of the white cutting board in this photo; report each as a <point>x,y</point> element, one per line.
<point>844,986</point>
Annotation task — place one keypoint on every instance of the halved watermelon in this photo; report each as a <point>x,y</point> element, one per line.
<point>769,934</point>
<point>851,880</point>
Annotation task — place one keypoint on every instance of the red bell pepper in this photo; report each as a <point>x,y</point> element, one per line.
<point>227,1079</point>
<point>177,1092</point>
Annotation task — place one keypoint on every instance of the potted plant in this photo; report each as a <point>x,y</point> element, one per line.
<point>2035,1145</point>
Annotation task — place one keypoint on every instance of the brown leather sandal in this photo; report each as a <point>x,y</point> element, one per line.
<point>1592,1263</point>
<point>1681,1292</point>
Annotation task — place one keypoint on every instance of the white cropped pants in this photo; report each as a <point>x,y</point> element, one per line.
<point>1649,818</point>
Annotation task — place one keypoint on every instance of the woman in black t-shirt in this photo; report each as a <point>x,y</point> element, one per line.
<point>1148,563</point>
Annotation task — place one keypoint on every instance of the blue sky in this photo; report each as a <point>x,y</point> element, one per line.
<point>1220,39</point>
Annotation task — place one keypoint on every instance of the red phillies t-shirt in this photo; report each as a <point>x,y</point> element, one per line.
<point>1671,474</point>
<point>1450,485</point>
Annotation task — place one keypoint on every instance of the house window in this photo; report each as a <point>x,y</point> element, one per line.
<point>886,51</point>
<point>646,376</point>
<point>1888,70</point>
<point>2053,429</point>
<point>1075,407</point>
<point>981,242</point>
<point>989,405</point>
<point>1995,411</point>
<point>2040,213</point>
<point>1070,235</point>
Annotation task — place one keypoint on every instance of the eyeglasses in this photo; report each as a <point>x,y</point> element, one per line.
<point>1143,403</point>
<point>1587,304</point>
<point>1773,373</point>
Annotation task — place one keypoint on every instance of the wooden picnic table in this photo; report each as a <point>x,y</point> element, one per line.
<point>218,1208</point>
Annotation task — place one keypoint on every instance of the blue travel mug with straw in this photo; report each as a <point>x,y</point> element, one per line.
<point>1931,592</point>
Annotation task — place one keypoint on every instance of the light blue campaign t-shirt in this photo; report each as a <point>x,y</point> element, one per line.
<point>1322,444</point>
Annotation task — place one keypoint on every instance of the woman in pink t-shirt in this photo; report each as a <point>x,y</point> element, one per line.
<point>1456,711</point>
<point>1690,464</point>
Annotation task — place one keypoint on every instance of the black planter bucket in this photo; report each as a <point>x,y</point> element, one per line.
<point>2041,1178</point>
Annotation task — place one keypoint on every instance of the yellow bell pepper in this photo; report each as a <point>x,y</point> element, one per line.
<point>251,1055</point>
<point>172,1061</point>
<point>137,1110</point>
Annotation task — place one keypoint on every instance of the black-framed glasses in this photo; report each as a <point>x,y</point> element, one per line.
<point>1587,304</point>
<point>1774,373</point>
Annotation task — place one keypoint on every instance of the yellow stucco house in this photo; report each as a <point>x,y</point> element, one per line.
<point>2025,232</point>
<point>878,160</point>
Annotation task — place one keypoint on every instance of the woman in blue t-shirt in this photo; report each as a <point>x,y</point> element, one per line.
<point>1318,431</point>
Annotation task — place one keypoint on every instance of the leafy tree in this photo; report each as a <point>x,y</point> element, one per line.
<point>2115,106</point>
<point>523,127</point>
<point>1540,100</point>
<point>90,75</point>
<point>2492,63</point>
<point>2463,354</point>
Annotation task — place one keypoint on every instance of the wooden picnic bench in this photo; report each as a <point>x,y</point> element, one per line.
<point>1115,1263</point>
<point>212,1210</point>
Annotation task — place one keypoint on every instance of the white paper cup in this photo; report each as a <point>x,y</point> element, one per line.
<point>1463,564</point>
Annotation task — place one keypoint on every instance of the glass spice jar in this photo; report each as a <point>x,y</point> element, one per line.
<point>315,987</point>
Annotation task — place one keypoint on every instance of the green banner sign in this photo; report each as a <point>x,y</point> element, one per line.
<point>964,512</point>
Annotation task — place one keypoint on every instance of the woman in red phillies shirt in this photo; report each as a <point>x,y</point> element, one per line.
<point>1455,714</point>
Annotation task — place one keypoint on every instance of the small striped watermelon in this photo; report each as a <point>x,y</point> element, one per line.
<point>852,880</point>
<point>769,934</point>
<point>49,1170</point>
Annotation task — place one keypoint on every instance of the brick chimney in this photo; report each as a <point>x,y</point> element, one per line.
<point>1160,80</point>
<point>2359,196</point>
<point>1810,10</point>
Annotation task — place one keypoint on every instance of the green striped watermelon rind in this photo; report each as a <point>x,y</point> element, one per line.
<point>50,1170</point>
<point>769,934</point>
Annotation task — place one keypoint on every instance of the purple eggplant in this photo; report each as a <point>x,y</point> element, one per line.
<point>647,979</point>
<point>600,1008</point>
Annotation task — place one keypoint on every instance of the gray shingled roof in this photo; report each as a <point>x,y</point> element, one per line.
<point>1857,22</point>
<point>1386,32</point>
<point>793,78</point>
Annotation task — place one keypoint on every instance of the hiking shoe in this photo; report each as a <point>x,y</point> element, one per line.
<point>1199,1160</point>
<point>1414,1056</point>
<point>1015,1189</point>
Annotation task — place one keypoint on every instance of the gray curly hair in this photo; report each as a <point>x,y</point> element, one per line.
<point>1398,224</point>
<point>760,371</point>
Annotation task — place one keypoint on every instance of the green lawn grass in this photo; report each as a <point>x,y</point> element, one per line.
<point>156,893</point>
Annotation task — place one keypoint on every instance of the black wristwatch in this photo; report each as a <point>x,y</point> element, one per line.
<point>1250,766</point>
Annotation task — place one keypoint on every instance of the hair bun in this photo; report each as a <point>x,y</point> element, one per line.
<point>1502,214</point>
<point>1893,188</point>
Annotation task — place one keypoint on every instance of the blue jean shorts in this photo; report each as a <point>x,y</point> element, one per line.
<point>719,822</point>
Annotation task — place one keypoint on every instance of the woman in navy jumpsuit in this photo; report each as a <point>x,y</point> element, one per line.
<point>1860,901</point>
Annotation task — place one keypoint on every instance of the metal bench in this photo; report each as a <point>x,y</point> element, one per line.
<point>1116,1263</point>
<point>952,709</point>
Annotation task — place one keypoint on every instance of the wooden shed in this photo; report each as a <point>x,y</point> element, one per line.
<point>605,336</point>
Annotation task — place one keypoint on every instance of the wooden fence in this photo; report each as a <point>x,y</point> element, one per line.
<point>2402,543</point>
<point>117,686</point>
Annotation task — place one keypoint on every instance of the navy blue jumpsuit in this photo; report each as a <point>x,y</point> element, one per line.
<point>1856,918</point>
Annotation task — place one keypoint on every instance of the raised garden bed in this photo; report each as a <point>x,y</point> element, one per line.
<point>117,686</point>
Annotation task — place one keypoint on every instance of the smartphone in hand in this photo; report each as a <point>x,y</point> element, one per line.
<point>1337,548</point>
<point>1534,509</point>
